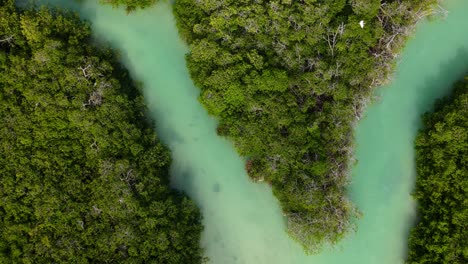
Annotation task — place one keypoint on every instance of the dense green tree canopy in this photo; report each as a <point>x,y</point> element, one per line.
<point>288,80</point>
<point>83,177</point>
<point>441,235</point>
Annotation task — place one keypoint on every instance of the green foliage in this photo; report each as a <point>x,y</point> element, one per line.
<point>288,80</point>
<point>130,5</point>
<point>442,185</point>
<point>83,177</point>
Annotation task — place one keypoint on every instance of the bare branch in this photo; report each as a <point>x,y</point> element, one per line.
<point>84,69</point>
<point>7,39</point>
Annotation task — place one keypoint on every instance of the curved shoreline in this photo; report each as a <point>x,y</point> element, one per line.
<point>242,220</point>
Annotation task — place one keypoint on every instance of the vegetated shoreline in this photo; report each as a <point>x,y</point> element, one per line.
<point>239,74</point>
<point>440,235</point>
<point>208,31</point>
<point>84,176</point>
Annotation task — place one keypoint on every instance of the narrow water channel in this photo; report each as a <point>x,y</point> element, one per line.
<point>243,222</point>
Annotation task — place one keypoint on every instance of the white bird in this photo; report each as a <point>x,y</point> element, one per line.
<point>361,23</point>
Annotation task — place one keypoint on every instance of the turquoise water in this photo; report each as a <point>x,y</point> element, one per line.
<point>243,221</point>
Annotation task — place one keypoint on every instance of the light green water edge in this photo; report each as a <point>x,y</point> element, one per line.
<point>243,221</point>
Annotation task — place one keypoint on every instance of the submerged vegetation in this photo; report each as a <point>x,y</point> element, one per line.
<point>288,80</point>
<point>442,184</point>
<point>83,177</point>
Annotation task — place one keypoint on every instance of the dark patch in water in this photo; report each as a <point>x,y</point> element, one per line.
<point>216,188</point>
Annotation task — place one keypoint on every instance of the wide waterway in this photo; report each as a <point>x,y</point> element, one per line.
<point>243,221</point>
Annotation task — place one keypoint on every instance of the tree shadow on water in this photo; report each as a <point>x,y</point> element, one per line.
<point>432,91</point>
<point>439,85</point>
